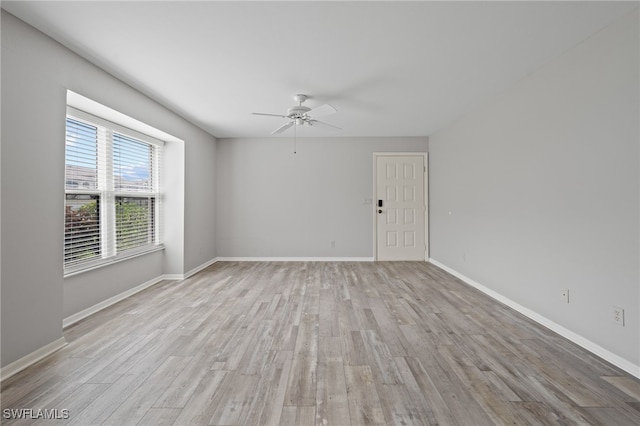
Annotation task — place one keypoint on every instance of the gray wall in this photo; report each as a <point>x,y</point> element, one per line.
<point>543,189</point>
<point>273,203</point>
<point>199,202</point>
<point>36,73</point>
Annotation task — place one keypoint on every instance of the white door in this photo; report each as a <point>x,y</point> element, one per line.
<point>400,207</point>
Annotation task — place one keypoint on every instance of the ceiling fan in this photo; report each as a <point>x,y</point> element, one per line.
<point>299,115</point>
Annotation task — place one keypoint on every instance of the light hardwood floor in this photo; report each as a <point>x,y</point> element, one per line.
<point>327,343</point>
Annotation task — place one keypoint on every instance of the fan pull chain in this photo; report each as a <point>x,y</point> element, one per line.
<point>295,137</point>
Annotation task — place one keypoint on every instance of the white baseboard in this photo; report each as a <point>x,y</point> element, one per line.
<point>200,268</point>
<point>295,259</point>
<point>579,340</point>
<point>30,359</point>
<point>180,277</point>
<point>72,319</point>
<point>172,277</point>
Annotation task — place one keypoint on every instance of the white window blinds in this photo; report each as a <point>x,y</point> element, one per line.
<point>81,155</point>
<point>112,192</point>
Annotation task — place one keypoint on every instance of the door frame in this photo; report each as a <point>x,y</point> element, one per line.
<point>374,211</point>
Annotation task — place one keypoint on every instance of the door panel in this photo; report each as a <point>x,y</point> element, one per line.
<point>401,219</point>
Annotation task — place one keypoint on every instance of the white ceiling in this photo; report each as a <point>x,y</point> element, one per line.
<point>390,68</point>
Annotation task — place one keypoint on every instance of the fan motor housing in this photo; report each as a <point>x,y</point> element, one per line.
<point>297,111</point>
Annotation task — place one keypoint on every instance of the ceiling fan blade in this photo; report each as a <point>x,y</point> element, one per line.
<point>323,124</point>
<point>282,128</point>
<point>322,111</point>
<point>270,115</point>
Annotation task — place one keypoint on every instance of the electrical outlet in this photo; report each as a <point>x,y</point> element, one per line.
<point>565,295</point>
<point>618,315</point>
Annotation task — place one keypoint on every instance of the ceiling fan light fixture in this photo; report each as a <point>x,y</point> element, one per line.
<point>299,121</point>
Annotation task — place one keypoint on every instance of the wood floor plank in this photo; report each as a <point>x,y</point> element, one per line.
<point>301,387</point>
<point>332,405</point>
<point>288,417</point>
<point>364,403</point>
<point>135,353</point>
<point>442,413</point>
<point>200,407</point>
<point>320,343</point>
<point>506,363</point>
<point>287,324</point>
<point>420,404</point>
<point>115,395</point>
<point>399,408</point>
<point>305,415</point>
<point>76,401</point>
<point>388,327</point>
<point>184,384</point>
<point>538,413</point>
<point>237,395</point>
<point>612,416</point>
<point>380,359</point>
<point>493,404</point>
<point>329,313</point>
<point>558,404</point>
<point>40,392</point>
<point>159,417</point>
<point>255,359</point>
<point>500,387</point>
<point>455,390</point>
<point>583,394</point>
<point>353,349</point>
<point>626,384</point>
<point>140,401</point>
<point>270,394</point>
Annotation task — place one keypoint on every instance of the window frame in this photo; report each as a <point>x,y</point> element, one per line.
<point>108,195</point>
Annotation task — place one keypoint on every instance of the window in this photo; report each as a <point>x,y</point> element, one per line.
<point>112,197</point>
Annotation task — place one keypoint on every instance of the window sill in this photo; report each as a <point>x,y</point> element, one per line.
<point>90,266</point>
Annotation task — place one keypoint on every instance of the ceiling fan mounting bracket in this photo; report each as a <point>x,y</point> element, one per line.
<point>300,98</point>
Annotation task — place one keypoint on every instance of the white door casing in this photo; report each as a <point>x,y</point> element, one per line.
<point>401,222</point>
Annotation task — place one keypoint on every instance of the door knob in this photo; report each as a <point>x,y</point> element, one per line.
<point>379,211</point>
